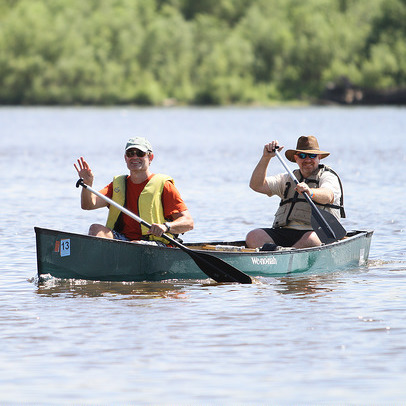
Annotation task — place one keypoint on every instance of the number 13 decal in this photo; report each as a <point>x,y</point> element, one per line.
<point>65,248</point>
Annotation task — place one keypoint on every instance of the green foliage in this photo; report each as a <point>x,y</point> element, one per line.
<point>385,47</point>
<point>153,52</point>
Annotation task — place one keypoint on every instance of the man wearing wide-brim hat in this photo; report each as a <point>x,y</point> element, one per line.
<point>292,225</point>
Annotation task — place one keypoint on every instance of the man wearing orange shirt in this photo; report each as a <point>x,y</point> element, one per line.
<point>153,197</point>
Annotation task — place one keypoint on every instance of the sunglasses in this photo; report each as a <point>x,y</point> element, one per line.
<point>131,152</point>
<point>302,155</point>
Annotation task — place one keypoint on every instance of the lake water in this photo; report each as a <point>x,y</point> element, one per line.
<point>339,338</point>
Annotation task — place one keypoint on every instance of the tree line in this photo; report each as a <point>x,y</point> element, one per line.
<point>152,52</point>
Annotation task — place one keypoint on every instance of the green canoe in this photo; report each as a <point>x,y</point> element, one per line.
<point>76,256</point>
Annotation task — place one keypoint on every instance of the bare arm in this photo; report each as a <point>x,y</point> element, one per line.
<point>89,201</point>
<point>181,223</point>
<point>258,182</point>
<point>319,195</point>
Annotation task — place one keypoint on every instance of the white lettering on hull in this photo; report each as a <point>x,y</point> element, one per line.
<point>264,261</point>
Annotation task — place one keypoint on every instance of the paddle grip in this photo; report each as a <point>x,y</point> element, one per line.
<point>81,183</point>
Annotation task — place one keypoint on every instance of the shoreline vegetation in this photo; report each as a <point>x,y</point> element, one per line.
<point>206,52</point>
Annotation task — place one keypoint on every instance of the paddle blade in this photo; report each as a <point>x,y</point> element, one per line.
<point>217,269</point>
<point>324,235</point>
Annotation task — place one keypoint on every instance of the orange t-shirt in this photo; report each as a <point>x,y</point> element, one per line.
<point>171,201</point>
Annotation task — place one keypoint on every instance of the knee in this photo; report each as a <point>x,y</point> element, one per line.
<point>314,239</point>
<point>250,238</point>
<point>98,230</point>
<point>308,240</point>
<point>257,238</point>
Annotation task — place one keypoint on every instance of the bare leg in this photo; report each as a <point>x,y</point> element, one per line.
<point>257,238</point>
<point>308,240</point>
<point>100,231</point>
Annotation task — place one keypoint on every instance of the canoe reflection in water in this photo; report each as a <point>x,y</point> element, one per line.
<point>138,290</point>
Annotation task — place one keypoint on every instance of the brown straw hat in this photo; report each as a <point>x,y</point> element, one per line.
<point>308,145</point>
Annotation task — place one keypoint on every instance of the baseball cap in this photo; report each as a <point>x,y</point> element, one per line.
<point>139,142</point>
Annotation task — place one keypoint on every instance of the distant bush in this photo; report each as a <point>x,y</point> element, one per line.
<point>195,52</point>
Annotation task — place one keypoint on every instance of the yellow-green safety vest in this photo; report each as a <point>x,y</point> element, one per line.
<point>149,203</point>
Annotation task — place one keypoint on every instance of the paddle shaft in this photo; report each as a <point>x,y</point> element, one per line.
<point>316,212</point>
<point>212,266</point>
<point>124,210</point>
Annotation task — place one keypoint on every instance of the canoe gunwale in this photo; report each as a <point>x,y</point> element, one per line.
<point>351,235</point>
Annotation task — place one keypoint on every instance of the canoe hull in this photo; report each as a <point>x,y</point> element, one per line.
<point>76,256</point>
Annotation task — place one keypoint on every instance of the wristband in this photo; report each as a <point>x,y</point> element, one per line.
<point>311,194</point>
<point>168,227</point>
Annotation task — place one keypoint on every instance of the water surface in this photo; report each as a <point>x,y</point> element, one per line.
<point>332,339</point>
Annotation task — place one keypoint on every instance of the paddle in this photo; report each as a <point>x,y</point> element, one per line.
<point>212,266</point>
<point>326,226</point>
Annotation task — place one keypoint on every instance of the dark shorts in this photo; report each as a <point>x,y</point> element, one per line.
<point>122,237</point>
<point>285,237</point>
